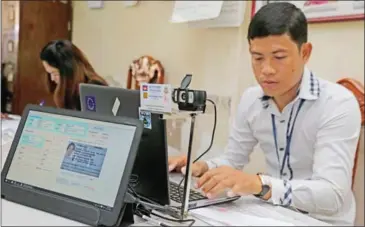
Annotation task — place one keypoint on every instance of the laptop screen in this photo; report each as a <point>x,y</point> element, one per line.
<point>79,158</point>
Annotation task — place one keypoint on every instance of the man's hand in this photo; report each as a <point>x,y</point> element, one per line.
<point>178,163</point>
<point>216,181</point>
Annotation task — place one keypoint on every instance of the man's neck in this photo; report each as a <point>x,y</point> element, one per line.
<point>284,99</point>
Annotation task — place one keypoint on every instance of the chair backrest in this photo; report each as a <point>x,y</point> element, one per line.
<point>358,90</point>
<point>145,69</point>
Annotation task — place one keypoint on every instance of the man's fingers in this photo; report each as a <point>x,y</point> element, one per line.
<point>172,166</point>
<point>206,176</point>
<point>218,189</point>
<point>212,182</point>
<point>209,185</point>
<point>225,183</point>
<point>183,170</point>
<point>196,170</point>
<point>203,179</point>
<point>175,163</point>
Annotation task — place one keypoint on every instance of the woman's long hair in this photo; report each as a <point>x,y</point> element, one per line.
<point>74,69</point>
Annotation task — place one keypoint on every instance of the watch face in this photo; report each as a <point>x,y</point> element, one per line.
<point>265,189</point>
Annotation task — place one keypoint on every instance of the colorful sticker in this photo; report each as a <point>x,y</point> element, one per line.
<point>145,117</point>
<point>90,103</point>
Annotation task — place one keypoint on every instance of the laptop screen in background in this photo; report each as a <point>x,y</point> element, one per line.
<point>76,157</point>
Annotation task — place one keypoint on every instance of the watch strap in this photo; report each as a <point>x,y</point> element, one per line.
<point>265,188</point>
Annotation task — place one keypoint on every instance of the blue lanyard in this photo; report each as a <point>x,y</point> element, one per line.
<point>289,133</point>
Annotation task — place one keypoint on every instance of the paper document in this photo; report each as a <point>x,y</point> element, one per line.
<point>185,11</point>
<point>95,4</point>
<point>7,136</point>
<point>231,15</point>
<point>8,129</point>
<point>233,218</point>
<point>12,124</point>
<point>5,148</point>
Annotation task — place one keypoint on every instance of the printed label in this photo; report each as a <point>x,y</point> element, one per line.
<point>156,98</point>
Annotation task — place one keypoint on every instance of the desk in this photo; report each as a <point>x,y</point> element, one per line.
<point>17,215</point>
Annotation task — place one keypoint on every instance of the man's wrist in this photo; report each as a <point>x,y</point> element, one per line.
<point>257,185</point>
<point>262,182</point>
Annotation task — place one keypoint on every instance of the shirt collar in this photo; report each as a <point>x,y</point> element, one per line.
<point>309,88</point>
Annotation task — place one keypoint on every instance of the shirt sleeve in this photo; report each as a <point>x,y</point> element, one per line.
<point>334,156</point>
<point>241,140</point>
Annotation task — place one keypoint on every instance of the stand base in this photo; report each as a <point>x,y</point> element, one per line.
<point>126,216</point>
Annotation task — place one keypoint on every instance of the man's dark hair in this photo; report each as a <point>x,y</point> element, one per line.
<point>278,19</point>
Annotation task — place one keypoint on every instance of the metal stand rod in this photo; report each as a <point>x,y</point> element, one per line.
<point>188,175</point>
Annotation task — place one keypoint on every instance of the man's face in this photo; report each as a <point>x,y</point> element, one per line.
<point>278,63</point>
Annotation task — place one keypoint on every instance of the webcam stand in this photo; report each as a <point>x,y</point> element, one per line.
<point>188,173</point>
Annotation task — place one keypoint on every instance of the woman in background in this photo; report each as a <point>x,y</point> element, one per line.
<point>66,68</point>
<point>5,93</point>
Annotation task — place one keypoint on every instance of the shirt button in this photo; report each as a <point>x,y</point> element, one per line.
<point>282,121</point>
<point>281,149</point>
<point>284,174</point>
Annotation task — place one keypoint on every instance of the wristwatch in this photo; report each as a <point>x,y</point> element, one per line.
<point>265,188</point>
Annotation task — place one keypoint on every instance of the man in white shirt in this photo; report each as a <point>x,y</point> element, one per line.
<point>308,128</point>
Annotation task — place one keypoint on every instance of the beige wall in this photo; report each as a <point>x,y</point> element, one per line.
<point>218,58</point>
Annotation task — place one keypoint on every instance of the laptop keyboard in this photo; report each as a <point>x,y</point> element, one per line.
<point>175,196</point>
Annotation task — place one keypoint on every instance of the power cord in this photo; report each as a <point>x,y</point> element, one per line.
<point>208,149</point>
<point>133,180</point>
<point>146,209</point>
<point>192,221</point>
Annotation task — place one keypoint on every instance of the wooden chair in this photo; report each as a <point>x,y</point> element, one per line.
<point>145,69</point>
<point>358,90</point>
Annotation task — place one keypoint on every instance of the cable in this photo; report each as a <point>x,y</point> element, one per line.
<point>213,133</point>
<point>142,209</point>
<point>192,221</point>
<point>208,149</point>
<point>134,180</point>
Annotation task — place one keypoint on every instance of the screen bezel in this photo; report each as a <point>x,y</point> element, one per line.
<point>72,209</point>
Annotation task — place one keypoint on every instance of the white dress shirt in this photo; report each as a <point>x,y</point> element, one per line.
<point>318,177</point>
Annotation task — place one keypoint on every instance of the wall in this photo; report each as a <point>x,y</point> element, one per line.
<point>9,42</point>
<point>114,36</point>
<point>9,30</point>
<point>218,58</point>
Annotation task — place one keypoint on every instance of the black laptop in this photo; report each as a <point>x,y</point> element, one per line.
<point>150,173</point>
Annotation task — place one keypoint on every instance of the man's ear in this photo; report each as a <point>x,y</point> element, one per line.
<point>306,51</point>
